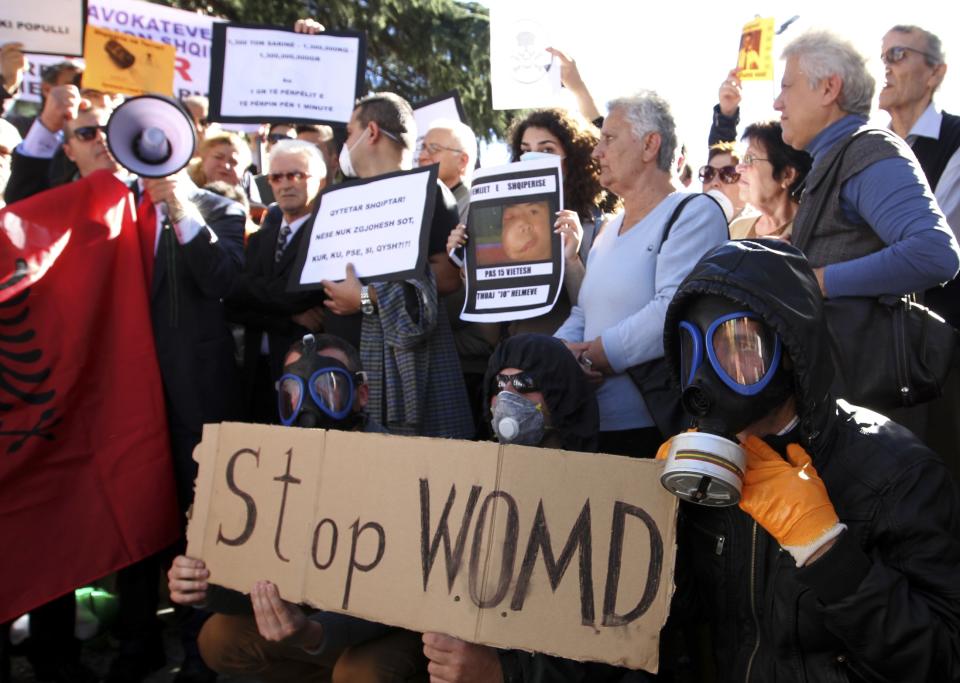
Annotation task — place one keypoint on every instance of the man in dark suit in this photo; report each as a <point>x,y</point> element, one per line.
<point>193,248</point>
<point>273,318</point>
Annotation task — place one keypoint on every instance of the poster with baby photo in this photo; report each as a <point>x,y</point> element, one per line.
<point>514,259</point>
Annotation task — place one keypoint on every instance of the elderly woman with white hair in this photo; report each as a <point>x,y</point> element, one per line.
<point>632,272</point>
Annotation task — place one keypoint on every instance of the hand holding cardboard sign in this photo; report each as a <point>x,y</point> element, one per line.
<point>187,580</point>
<point>729,93</point>
<point>282,622</point>
<point>456,661</point>
<point>308,26</point>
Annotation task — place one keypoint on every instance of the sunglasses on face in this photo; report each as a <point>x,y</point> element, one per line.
<point>87,133</point>
<point>521,382</point>
<point>292,176</point>
<point>728,174</point>
<point>277,137</point>
<point>899,52</point>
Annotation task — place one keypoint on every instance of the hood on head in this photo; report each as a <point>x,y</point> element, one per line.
<point>570,399</point>
<point>772,279</point>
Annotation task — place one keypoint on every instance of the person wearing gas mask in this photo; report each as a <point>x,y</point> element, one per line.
<point>537,395</point>
<point>323,387</point>
<point>819,541</point>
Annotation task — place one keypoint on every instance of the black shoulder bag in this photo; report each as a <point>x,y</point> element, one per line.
<point>889,351</point>
<point>660,392</point>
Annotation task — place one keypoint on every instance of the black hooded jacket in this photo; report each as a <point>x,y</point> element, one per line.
<point>883,604</point>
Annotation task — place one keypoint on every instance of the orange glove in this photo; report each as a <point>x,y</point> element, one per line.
<point>788,499</point>
<point>664,449</point>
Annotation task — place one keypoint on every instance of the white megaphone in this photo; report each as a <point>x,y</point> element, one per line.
<point>151,135</point>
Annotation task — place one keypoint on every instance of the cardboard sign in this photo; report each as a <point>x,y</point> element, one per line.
<point>275,74</point>
<point>522,73</point>
<point>755,57</point>
<point>511,546</point>
<point>44,26</point>
<point>188,32</point>
<point>514,259</point>
<point>381,225</point>
<point>120,63</point>
<point>445,107</point>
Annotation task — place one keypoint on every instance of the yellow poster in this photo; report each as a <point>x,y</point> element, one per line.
<point>755,59</point>
<point>121,63</point>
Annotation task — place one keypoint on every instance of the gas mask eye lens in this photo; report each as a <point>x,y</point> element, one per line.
<point>290,396</point>
<point>744,349</point>
<point>332,390</point>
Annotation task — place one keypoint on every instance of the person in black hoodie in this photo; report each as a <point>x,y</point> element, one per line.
<point>842,560</point>
<point>536,395</point>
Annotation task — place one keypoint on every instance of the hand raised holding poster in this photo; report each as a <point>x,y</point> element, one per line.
<point>381,225</point>
<point>514,258</point>
<point>262,73</point>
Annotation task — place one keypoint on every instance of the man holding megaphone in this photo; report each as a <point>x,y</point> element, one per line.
<point>192,245</point>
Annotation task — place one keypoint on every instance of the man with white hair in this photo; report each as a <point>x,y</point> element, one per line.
<point>881,231</point>
<point>273,318</point>
<point>453,145</point>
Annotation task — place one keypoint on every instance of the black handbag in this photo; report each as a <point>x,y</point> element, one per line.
<point>888,352</point>
<point>661,391</point>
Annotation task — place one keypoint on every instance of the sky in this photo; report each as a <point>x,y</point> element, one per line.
<point>683,50</point>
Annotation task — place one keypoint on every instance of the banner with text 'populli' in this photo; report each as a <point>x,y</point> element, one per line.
<point>381,225</point>
<point>44,26</point>
<point>269,73</point>
<point>514,260</point>
<point>510,546</point>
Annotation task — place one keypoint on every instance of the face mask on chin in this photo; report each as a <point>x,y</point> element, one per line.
<point>346,160</point>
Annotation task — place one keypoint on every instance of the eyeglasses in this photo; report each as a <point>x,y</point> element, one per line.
<point>87,133</point>
<point>292,176</point>
<point>898,53</point>
<point>728,174</point>
<point>434,148</point>
<point>521,382</point>
<point>274,138</point>
<point>750,160</point>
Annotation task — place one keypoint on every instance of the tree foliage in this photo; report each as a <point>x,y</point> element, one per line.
<point>415,48</point>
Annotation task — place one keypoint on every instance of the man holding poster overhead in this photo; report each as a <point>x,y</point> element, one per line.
<point>416,386</point>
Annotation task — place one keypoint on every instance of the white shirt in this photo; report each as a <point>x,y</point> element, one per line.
<point>948,189</point>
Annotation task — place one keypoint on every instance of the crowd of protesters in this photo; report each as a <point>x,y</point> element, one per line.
<point>842,561</point>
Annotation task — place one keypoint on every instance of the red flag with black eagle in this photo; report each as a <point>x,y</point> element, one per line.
<point>86,479</point>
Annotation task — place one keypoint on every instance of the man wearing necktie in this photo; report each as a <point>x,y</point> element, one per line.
<point>273,318</point>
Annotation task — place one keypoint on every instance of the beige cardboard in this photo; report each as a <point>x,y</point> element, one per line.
<point>367,490</point>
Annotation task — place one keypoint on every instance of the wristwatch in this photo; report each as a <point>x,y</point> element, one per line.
<point>366,305</point>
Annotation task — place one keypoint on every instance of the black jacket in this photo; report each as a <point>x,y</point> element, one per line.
<point>883,604</point>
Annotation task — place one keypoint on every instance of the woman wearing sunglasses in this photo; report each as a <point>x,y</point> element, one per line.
<point>720,174</point>
<point>771,176</point>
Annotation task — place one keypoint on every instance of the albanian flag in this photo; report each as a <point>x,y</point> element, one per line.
<point>86,478</point>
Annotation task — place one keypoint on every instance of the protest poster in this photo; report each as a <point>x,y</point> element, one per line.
<point>445,107</point>
<point>189,33</point>
<point>514,259</point>
<point>381,225</point>
<point>121,63</point>
<point>522,73</point>
<point>755,57</point>
<point>275,74</point>
<point>510,546</point>
<point>52,27</point>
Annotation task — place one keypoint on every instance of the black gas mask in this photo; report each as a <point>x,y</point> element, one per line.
<point>732,375</point>
<point>318,392</point>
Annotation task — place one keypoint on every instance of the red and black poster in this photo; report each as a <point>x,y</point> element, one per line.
<point>85,469</point>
